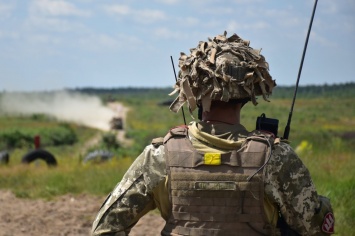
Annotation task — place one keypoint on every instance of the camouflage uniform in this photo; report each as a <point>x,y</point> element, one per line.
<point>288,185</point>
<point>220,69</point>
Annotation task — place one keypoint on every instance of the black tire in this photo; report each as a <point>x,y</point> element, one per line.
<point>4,157</point>
<point>39,154</point>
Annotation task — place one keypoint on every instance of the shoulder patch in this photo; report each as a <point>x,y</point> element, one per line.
<point>328,223</point>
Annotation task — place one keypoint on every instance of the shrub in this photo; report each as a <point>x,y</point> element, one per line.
<point>23,138</point>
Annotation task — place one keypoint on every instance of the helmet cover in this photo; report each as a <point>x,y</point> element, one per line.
<point>221,69</point>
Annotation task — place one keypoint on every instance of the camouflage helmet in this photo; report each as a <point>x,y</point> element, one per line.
<point>221,69</point>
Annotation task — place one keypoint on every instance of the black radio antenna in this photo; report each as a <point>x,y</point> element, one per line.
<point>287,128</point>
<point>182,108</point>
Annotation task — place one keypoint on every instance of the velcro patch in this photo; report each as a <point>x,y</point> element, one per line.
<point>215,185</point>
<point>212,159</point>
<point>328,223</point>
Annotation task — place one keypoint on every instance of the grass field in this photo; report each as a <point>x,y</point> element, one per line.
<point>322,132</point>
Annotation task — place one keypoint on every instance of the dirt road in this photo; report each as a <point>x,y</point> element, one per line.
<point>66,215</point>
<point>121,112</point>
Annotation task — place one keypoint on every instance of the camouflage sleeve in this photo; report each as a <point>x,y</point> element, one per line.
<point>132,197</point>
<point>289,185</point>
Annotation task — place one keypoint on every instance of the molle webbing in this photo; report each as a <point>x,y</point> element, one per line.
<point>214,199</point>
<point>194,159</point>
<point>200,194</point>
<point>227,230</point>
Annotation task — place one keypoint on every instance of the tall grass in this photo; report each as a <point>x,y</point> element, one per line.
<point>70,176</point>
<point>317,133</point>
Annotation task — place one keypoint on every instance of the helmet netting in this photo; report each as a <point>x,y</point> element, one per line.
<point>221,69</point>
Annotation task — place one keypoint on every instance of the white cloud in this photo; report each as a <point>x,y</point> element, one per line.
<point>322,41</point>
<point>97,42</point>
<point>332,8</point>
<point>57,8</point>
<point>6,10</point>
<point>335,7</point>
<point>44,39</point>
<point>166,33</point>
<point>149,16</point>
<point>349,27</point>
<point>337,15</point>
<point>168,2</point>
<point>188,21</point>
<point>118,9</point>
<point>217,10</point>
<point>138,15</point>
<point>52,16</point>
<point>9,35</point>
<point>249,1</point>
<point>290,22</point>
<point>118,29</point>
<point>53,24</point>
<point>100,42</point>
<point>234,26</point>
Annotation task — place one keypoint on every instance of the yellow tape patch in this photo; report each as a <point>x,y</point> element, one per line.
<point>212,159</point>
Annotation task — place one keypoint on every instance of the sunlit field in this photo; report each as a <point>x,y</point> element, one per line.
<point>322,133</point>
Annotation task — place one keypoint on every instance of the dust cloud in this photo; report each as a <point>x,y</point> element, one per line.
<point>66,106</point>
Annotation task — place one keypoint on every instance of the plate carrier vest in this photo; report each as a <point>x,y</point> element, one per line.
<point>216,193</point>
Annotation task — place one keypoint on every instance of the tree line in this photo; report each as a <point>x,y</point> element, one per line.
<point>341,90</point>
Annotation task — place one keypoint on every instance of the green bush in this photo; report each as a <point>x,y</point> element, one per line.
<point>322,127</point>
<point>15,139</point>
<point>110,141</point>
<point>62,134</point>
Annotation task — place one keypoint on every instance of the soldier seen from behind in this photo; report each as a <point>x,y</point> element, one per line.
<point>213,177</point>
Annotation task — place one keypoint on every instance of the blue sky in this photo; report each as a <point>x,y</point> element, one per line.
<point>56,44</point>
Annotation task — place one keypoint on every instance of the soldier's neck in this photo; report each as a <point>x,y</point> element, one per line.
<point>226,116</point>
